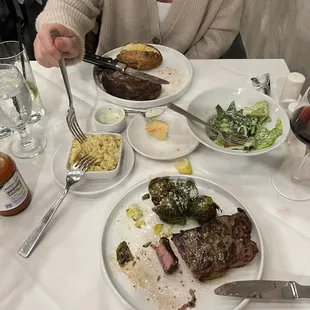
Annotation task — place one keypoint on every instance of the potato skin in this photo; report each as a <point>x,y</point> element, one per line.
<point>146,57</point>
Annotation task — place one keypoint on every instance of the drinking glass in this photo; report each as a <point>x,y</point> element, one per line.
<point>12,53</point>
<point>15,111</point>
<point>292,180</point>
<point>5,132</point>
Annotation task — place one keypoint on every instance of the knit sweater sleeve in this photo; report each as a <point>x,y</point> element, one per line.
<point>76,15</point>
<point>220,35</point>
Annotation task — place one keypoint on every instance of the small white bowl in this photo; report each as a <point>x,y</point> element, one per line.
<point>101,175</point>
<point>110,119</point>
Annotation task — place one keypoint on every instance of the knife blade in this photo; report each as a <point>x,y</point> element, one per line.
<point>116,65</point>
<point>264,289</point>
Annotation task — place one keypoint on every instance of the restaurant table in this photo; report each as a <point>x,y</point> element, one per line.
<point>64,272</point>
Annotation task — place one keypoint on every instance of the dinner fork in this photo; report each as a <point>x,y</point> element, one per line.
<point>73,176</point>
<point>227,137</point>
<point>71,116</point>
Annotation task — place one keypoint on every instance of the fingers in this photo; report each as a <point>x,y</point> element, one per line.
<point>68,46</point>
<point>47,48</point>
<point>48,51</point>
<point>40,56</point>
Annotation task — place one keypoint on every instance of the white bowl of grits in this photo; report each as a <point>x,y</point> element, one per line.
<point>106,148</point>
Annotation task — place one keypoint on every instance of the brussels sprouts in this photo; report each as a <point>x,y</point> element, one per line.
<point>172,198</point>
<point>123,254</point>
<point>203,209</point>
<point>168,211</point>
<point>159,188</point>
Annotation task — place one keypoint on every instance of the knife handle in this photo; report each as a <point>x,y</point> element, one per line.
<point>106,62</point>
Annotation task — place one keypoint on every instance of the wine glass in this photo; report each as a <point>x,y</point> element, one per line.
<point>292,180</point>
<point>15,111</point>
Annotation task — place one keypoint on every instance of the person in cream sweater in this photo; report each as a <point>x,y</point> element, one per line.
<point>197,28</point>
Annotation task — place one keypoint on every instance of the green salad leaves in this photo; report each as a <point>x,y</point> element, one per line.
<point>249,122</point>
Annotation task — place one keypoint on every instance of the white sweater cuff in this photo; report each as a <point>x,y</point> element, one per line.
<point>54,17</point>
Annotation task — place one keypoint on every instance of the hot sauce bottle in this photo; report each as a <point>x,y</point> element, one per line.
<point>14,193</point>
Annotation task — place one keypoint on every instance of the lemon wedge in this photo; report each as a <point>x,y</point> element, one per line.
<point>184,166</point>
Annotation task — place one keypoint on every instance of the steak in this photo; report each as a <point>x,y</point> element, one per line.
<point>128,87</point>
<point>223,243</point>
<point>166,256</point>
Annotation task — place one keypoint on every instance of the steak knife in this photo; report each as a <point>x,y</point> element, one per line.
<point>264,289</point>
<point>119,66</point>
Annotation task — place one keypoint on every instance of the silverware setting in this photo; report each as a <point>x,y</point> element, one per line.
<point>114,64</point>
<point>73,176</point>
<point>71,115</point>
<point>149,113</point>
<point>230,139</point>
<point>264,289</point>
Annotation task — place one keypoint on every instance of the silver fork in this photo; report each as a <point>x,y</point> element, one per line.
<point>73,176</point>
<point>71,116</point>
<point>226,136</point>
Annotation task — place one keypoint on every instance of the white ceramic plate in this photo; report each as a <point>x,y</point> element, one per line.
<point>145,286</point>
<point>86,186</point>
<point>180,142</point>
<point>175,68</point>
<point>204,105</point>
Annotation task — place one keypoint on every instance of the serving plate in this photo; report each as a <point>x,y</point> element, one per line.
<point>86,186</point>
<point>145,286</point>
<point>180,141</point>
<point>204,104</point>
<point>175,68</point>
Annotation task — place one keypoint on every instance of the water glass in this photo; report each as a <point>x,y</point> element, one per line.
<point>12,53</point>
<point>5,132</point>
<point>15,111</point>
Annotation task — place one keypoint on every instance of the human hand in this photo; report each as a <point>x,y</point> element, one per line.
<point>48,51</point>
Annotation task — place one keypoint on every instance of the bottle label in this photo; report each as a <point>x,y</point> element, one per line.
<point>13,192</point>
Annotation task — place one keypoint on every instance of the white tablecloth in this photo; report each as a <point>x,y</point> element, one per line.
<point>64,271</point>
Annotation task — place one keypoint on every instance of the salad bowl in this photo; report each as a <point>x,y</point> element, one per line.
<point>239,111</point>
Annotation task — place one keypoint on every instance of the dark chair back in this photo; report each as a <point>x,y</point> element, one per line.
<point>236,50</point>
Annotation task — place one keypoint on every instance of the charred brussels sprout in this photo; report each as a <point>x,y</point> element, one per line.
<point>159,188</point>
<point>172,198</point>
<point>123,254</point>
<point>146,196</point>
<point>168,211</point>
<point>203,209</point>
<point>187,188</point>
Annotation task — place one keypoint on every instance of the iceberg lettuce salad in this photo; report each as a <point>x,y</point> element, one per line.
<point>249,122</point>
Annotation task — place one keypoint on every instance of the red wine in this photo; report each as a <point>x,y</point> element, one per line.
<point>300,124</point>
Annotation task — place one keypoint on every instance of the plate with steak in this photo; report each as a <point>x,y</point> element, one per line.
<point>179,264</point>
<point>126,91</point>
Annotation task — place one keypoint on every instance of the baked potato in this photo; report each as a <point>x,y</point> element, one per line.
<point>140,56</point>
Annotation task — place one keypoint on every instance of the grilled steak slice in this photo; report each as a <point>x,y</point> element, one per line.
<point>166,256</point>
<point>128,87</point>
<point>223,243</point>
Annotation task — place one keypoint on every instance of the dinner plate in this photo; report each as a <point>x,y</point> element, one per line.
<point>204,106</point>
<point>144,285</point>
<point>87,186</point>
<point>180,141</point>
<point>175,68</point>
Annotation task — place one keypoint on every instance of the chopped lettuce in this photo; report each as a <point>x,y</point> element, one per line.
<point>248,122</point>
<point>259,109</point>
<point>265,138</point>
